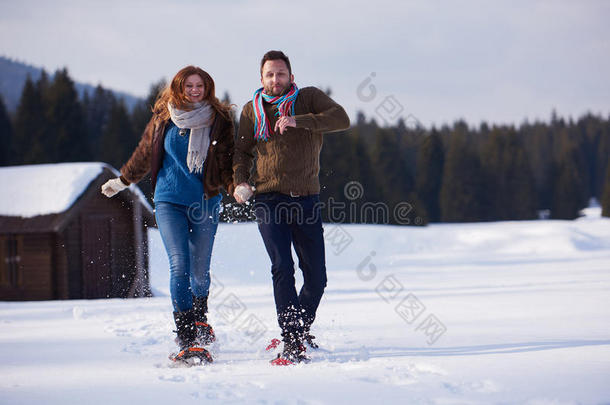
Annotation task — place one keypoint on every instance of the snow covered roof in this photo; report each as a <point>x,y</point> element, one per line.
<point>32,190</point>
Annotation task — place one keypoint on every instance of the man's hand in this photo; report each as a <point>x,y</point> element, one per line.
<point>113,186</point>
<point>284,122</point>
<point>242,193</point>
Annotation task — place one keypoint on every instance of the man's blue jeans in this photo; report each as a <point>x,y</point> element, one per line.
<point>284,221</point>
<point>188,235</point>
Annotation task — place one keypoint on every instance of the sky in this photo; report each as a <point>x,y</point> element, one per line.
<point>427,62</point>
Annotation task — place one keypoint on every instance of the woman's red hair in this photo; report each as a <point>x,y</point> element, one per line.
<point>174,93</point>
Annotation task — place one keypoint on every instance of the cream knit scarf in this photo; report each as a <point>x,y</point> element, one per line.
<point>199,121</point>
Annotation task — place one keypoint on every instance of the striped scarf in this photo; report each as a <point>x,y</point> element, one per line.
<point>284,109</point>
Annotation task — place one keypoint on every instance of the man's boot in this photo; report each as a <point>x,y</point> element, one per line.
<point>293,352</point>
<point>308,337</point>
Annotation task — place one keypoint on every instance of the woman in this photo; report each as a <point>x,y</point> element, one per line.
<point>187,146</point>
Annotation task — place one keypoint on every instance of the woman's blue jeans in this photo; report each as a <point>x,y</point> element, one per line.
<point>188,235</point>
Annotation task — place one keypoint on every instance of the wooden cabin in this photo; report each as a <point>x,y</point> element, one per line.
<point>60,238</point>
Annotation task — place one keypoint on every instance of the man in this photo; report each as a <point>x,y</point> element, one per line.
<point>283,127</point>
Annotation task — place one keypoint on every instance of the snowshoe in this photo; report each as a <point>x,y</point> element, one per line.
<point>308,338</point>
<point>192,356</point>
<point>275,343</point>
<point>283,359</point>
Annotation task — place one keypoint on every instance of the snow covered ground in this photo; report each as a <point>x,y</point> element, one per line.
<point>506,313</point>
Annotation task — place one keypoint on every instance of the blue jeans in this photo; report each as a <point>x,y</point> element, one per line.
<point>285,221</point>
<point>188,235</point>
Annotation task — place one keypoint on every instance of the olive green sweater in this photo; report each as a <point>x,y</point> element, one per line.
<point>289,162</point>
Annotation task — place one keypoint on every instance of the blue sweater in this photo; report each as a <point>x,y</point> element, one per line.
<point>175,183</point>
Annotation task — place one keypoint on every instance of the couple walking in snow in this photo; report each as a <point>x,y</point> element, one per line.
<point>190,149</point>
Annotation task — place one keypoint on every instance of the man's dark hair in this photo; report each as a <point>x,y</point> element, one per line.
<point>276,55</point>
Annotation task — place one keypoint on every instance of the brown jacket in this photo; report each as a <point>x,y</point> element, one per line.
<point>288,163</point>
<point>217,171</point>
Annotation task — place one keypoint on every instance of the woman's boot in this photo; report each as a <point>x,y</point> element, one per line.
<point>190,353</point>
<point>204,332</point>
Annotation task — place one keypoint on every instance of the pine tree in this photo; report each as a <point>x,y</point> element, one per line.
<point>606,195</point>
<point>393,177</point>
<point>97,114</point>
<point>462,187</point>
<point>360,166</point>
<point>430,163</point>
<point>585,159</point>
<point>509,182</point>
<point>343,160</point>
<point>538,142</point>
<point>31,127</point>
<point>602,160</point>
<point>520,185</point>
<point>118,138</point>
<point>68,140</point>
<point>569,192</point>
<point>588,128</point>
<point>493,175</point>
<point>6,135</point>
<point>393,161</point>
<point>142,112</point>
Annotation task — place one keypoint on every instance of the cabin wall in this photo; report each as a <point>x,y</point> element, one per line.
<point>31,278</point>
<point>111,223</point>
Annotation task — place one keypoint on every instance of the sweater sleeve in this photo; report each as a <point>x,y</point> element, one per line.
<point>245,143</point>
<point>139,163</point>
<point>325,116</point>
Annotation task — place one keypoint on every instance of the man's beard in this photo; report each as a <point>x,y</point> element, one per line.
<point>269,91</point>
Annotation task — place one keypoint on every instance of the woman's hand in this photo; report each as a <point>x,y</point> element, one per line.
<point>113,186</point>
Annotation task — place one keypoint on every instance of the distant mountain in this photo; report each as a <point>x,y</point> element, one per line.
<point>13,75</point>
